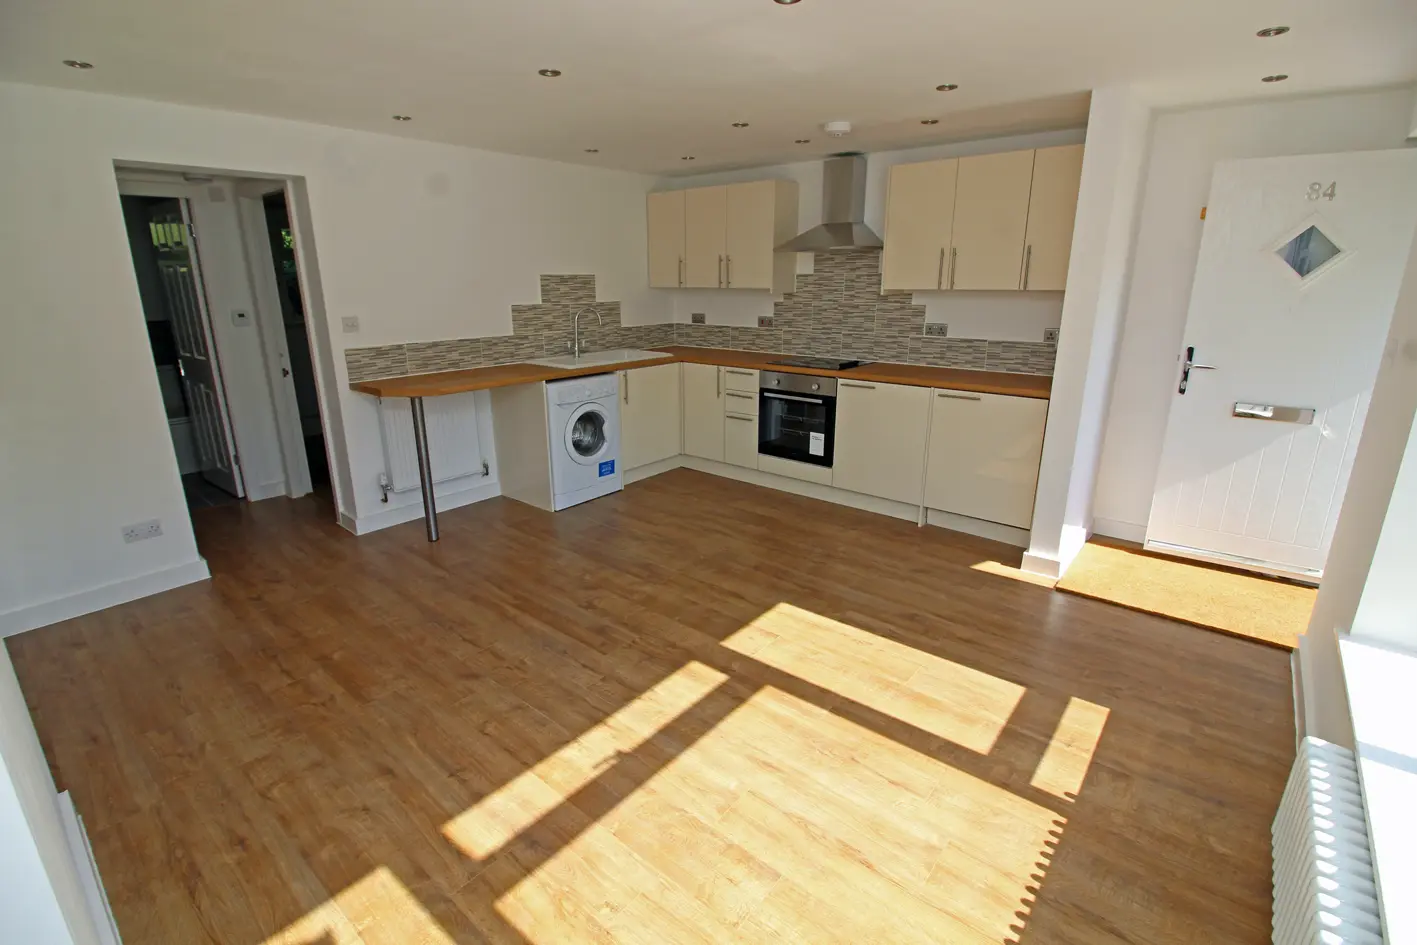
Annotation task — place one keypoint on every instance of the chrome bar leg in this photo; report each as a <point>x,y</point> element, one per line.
<point>425,468</point>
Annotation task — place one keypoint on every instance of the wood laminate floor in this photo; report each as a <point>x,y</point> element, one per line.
<point>696,711</point>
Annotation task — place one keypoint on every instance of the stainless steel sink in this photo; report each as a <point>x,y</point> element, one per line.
<point>599,358</point>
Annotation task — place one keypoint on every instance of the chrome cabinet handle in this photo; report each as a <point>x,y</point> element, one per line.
<point>720,272</point>
<point>734,393</point>
<point>681,272</point>
<point>627,387</point>
<point>738,372</point>
<point>858,386</point>
<point>1190,365</point>
<point>950,396</point>
<point>1027,265</point>
<point>728,271</point>
<point>954,262</point>
<point>940,279</point>
<point>717,382</point>
<point>734,416</point>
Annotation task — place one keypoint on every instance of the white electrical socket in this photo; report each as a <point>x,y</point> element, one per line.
<point>141,531</point>
<point>350,324</point>
<point>1050,334</point>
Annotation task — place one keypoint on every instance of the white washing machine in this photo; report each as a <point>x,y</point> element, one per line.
<point>583,416</point>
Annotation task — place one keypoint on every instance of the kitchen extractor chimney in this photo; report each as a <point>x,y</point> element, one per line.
<point>843,210</point>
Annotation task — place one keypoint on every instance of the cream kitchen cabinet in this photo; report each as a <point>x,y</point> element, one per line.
<point>984,455</point>
<point>991,220</point>
<point>920,207</point>
<point>725,237</point>
<point>650,417</point>
<point>880,439</point>
<point>666,217</point>
<point>703,411</point>
<point>1052,208</point>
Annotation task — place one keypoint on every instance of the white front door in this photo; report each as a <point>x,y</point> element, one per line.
<point>182,284</point>
<point>1299,267</point>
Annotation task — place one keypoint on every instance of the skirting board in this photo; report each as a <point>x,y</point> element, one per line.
<point>1126,531</point>
<point>100,598</point>
<point>413,511</point>
<point>267,490</point>
<point>95,897</point>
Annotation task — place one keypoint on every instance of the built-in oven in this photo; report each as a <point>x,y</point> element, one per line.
<point>797,417</point>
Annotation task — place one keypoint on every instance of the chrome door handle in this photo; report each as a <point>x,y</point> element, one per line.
<point>1027,265</point>
<point>950,396</point>
<point>285,372</point>
<point>940,279</point>
<point>1190,365</point>
<point>954,262</point>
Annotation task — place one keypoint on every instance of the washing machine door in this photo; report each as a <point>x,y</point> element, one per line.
<point>588,434</point>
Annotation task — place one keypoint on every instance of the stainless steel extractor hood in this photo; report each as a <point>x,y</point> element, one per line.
<point>843,210</point>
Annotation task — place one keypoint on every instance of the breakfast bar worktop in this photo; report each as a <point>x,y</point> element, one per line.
<point>506,375</point>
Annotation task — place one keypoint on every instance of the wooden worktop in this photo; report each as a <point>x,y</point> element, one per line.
<point>506,375</point>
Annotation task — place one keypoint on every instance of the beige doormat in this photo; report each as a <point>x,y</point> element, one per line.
<point>1270,610</point>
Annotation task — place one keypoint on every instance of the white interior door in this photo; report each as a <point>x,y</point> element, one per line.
<point>196,350</point>
<point>1299,268</point>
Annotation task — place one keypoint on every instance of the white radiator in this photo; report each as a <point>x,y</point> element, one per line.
<point>454,448</point>
<point>1323,871</point>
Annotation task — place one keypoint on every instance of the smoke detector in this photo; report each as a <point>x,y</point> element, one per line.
<point>837,129</point>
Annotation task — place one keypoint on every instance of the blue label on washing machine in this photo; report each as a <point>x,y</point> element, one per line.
<point>607,468</point>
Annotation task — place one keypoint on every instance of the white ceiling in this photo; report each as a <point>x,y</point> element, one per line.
<point>648,81</point>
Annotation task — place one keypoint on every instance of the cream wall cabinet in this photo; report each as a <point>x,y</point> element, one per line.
<point>989,221</point>
<point>880,439</point>
<point>703,411</point>
<point>1052,208</point>
<point>666,239</point>
<point>724,237</point>
<point>650,415</point>
<point>920,207</point>
<point>984,455</point>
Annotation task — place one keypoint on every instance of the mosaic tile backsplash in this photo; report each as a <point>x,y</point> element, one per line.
<point>837,311</point>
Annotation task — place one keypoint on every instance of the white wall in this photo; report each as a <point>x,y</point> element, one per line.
<point>1368,586</point>
<point>1000,316</point>
<point>419,241</point>
<point>41,898</point>
<point>1185,146</point>
<point>1103,241</point>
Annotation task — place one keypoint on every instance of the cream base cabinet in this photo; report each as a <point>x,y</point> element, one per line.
<point>880,439</point>
<point>650,416</point>
<point>984,455</point>
<point>703,411</point>
<point>666,239</point>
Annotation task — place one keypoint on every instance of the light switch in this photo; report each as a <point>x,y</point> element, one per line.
<point>350,323</point>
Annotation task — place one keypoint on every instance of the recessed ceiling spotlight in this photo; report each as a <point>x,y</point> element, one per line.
<point>687,157</point>
<point>803,141</point>
<point>1269,31</point>
<point>947,87</point>
<point>930,121</point>
<point>403,118</point>
<point>592,150</point>
<point>1280,77</point>
<point>548,73</point>
<point>78,64</point>
<point>740,124</point>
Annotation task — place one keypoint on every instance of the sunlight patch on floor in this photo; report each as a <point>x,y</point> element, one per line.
<point>787,822</point>
<point>496,819</point>
<point>377,910</point>
<point>1065,761</point>
<point>948,699</point>
<point>1014,574</point>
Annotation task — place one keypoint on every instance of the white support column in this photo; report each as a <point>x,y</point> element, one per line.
<point>1118,128</point>
<point>1368,584</point>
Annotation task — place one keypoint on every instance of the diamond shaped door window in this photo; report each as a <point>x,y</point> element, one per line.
<point>1308,251</point>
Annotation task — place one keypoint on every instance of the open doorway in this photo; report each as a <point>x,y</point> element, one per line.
<point>299,364</point>
<point>179,332</point>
